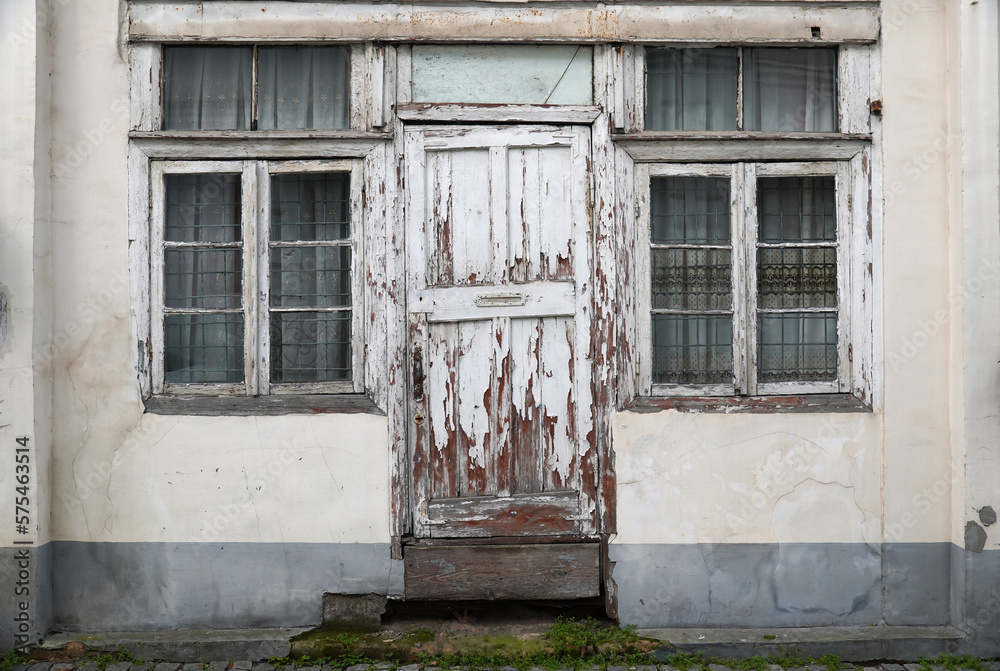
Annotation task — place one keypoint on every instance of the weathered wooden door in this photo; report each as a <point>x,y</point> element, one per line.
<point>499,304</point>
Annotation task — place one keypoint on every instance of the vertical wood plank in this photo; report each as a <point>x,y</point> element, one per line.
<point>359,88</point>
<point>375,76</point>
<point>525,439</point>
<point>558,403</point>
<point>389,64</point>
<point>745,324</point>
<point>602,337</point>
<point>441,394</point>
<point>556,213</point>
<point>502,429</point>
<point>517,245</point>
<point>592,437</point>
<point>403,74</point>
<point>474,379</point>
<point>145,86</point>
<point>262,299</point>
<point>469,226</point>
<point>499,221</point>
<point>397,333</point>
<point>638,332</point>
<point>157,216</point>
<point>139,263</point>
<point>374,222</point>
<point>358,251</point>
<point>439,219</point>
<point>250,256</point>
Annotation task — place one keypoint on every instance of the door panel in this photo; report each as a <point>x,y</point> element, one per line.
<point>498,300</point>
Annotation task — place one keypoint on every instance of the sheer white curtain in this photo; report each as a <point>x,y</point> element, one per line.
<point>303,87</point>
<point>691,89</point>
<point>207,88</point>
<point>790,89</point>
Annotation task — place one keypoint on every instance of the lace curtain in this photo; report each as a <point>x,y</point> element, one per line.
<point>784,89</point>
<point>209,88</point>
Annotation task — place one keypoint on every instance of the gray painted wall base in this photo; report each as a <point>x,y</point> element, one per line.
<point>26,589</point>
<point>163,586</point>
<point>783,585</point>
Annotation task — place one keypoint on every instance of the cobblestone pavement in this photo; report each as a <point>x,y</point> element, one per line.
<point>266,666</point>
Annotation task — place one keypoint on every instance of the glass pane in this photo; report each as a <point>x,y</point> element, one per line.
<point>692,349</point>
<point>310,346</point>
<point>303,87</point>
<point>310,207</point>
<point>692,279</point>
<point>311,276</point>
<point>691,89</point>
<point>203,208</point>
<point>207,88</point>
<point>797,347</point>
<point>527,74</point>
<point>790,89</point>
<point>797,209</point>
<point>690,210</point>
<point>203,278</point>
<point>797,278</point>
<point>203,348</point>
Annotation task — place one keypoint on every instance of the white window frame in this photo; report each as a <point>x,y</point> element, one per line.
<point>743,203</point>
<point>256,213</point>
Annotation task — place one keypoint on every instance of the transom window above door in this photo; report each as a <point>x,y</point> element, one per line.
<point>546,74</point>
<point>741,88</point>
<point>256,88</point>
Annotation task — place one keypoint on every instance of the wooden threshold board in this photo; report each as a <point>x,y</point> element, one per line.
<point>486,572</point>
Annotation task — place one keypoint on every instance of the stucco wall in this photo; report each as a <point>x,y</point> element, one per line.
<point>723,519</point>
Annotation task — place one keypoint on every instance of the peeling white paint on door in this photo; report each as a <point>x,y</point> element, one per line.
<point>497,225</point>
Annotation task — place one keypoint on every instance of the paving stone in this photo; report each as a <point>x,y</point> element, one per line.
<point>893,667</point>
<point>218,666</point>
<point>718,667</point>
<point>309,668</point>
<point>409,667</point>
<point>167,666</point>
<point>20,667</point>
<point>41,666</point>
<point>142,666</point>
<point>61,666</point>
<point>263,666</point>
<point>646,668</point>
<point>87,666</point>
<point>190,666</point>
<point>913,667</point>
<point>383,666</point>
<point>355,667</point>
<point>243,665</point>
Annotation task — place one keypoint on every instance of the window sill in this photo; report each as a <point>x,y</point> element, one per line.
<point>816,403</point>
<point>245,406</point>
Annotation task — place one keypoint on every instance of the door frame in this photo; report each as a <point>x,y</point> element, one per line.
<point>610,363</point>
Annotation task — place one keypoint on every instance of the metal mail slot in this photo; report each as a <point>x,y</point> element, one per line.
<point>500,300</point>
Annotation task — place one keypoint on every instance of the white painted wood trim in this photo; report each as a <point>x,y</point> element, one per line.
<point>454,112</point>
<point>694,149</point>
<point>360,88</point>
<point>262,342</point>
<point>846,305</point>
<point>139,264</point>
<point>745,326</point>
<point>266,148</point>
<point>144,87</point>
<point>854,93</point>
<point>404,74</point>
<point>250,256</point>
<point>760,23</point>
<point>643,317</point>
